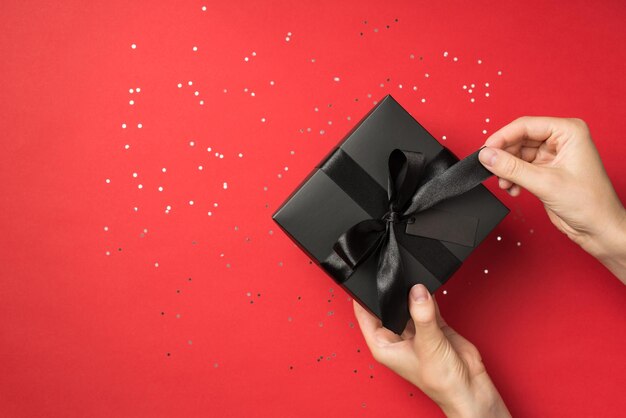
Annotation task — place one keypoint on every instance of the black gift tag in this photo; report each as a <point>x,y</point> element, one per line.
<point>444,226</point>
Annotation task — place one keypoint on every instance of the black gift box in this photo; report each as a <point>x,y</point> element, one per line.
<point>351,184</point>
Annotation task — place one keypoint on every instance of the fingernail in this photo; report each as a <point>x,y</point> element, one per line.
<point>419,293</point>
<point>487,156</point>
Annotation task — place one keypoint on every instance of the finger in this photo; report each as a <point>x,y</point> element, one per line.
<point>428,336</point>
<point>376,337</point>
<point>409,331</point>
<point>504,165</point>
<point>532,131</point>
<point>440,321</point>
<point>504,183</point>
<point>515,190</point>
<point>528,154</point>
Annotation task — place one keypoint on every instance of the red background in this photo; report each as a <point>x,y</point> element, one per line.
<point>235,321</point>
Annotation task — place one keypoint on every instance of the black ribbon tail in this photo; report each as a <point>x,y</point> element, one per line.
<point>456,180</point>
<point>391,284</point>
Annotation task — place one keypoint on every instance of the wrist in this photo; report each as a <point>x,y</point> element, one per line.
<point>482,401</point>
<point>609,247</point>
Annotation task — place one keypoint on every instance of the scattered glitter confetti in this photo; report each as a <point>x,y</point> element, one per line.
<point>499,238</point>
<point>445,292</point>
<point>139,125</point>
<point>225,185</point>
<point>191,203</point>
<point>486,271</point>
<point>336,79</point>
<point>133,46</point>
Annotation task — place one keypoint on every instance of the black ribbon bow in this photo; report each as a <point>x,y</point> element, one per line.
<point>413,186</point>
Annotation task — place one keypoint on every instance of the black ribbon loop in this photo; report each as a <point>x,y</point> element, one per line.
<point>413,186</point>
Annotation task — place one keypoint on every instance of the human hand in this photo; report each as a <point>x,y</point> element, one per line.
<point>555,159</point>
<point>433,357</point>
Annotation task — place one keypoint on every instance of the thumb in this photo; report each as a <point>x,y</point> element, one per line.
<point>428,335</point>
<point>516,170</point>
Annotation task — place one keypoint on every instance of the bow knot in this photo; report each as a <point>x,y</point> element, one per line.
<point>393,217</point>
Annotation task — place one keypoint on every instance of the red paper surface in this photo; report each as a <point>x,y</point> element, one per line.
<point>235,320</point>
